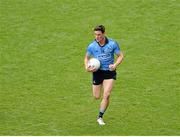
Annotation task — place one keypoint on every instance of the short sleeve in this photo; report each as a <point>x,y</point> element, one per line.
<point>89,51</point>
<point>116,48</point>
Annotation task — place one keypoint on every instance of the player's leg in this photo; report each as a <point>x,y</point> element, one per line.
<point>97,91</point>
<point>97,84</point>
<point>108,86</point>
<point>108,82</point>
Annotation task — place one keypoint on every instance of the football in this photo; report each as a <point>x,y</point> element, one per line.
<point>95,63</point>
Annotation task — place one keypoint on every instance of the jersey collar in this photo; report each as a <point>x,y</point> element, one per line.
<point>106,42</point>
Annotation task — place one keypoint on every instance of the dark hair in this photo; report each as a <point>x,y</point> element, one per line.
<point>100,28</point>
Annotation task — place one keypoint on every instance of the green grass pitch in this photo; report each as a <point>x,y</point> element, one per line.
<point>44,89</point>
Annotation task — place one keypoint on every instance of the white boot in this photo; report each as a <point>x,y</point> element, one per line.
<point>100,121</point>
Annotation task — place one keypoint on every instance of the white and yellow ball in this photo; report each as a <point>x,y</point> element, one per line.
<point>94,63</point>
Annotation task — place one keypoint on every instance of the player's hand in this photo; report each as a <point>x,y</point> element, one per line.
<point>112,67</point>
<point>90,69</point>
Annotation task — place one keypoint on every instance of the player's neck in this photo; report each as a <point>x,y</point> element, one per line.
<point>102,42</point>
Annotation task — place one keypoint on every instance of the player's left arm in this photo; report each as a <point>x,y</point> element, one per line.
<point>119,59</point>
<point>119,54</point>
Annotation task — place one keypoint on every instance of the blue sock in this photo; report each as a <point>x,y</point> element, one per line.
<point>101,113</point>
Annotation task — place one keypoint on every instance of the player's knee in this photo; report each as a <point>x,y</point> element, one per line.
<point>106,96</point>
<point>96,97</point>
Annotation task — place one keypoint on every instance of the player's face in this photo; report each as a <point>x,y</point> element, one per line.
<point>99,36</point>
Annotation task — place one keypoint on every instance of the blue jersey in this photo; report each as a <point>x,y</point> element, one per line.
<point>105,53</point>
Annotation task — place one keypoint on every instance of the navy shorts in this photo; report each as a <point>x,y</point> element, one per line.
<point>101,75</point>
